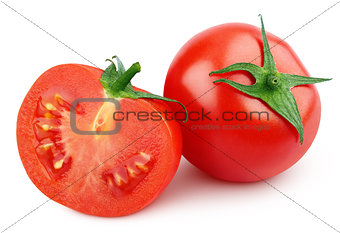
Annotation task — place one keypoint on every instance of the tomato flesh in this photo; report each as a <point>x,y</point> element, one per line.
<point>104,175</point>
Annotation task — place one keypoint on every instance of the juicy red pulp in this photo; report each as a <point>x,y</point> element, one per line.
<point>50,148</point>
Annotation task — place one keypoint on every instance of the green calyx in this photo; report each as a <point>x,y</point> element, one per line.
<point>271,86</point>
<point>117,83</point>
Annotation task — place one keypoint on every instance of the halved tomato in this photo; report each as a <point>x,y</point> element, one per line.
<point>103,175</point>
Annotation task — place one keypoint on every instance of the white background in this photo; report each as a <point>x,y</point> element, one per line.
<point>152,32</point>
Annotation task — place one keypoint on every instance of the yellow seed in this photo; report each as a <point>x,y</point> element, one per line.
<point>141,167</point>
<point>58,164</point>
<point>46,127</point>
<point>109,180</point>
<point>47,146</point>
<point>59,99</point>
<point>145,156</point>
<point>131,172</point>
<point>119,179</point>
<point>50,106</point>
<point>48,115</point>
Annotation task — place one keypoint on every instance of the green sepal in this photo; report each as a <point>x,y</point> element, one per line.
<point>296,80</point>
<point>146,95</point>
<point>272,87</point>
<point>251,68</point>
<point>252,90</point>
<point>117,83</point>
<point>283,102</point>
<point>268,60</point>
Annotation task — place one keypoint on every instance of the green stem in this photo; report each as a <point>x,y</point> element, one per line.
<point>117,83</point>
<point>125,79</point>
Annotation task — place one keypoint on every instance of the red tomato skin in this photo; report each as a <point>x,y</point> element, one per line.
<point>238,155</point>
<point>83,82</point>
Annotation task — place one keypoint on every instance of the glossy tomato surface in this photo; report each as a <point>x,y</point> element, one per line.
<point>244,139</point>
<point>103,175</point>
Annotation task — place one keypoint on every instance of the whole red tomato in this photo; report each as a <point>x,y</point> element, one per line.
<point>243,132</point>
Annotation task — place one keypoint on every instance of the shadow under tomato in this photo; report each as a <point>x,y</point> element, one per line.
<point>191,184</point>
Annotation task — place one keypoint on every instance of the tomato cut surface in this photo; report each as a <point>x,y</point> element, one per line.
<point>103,175</point>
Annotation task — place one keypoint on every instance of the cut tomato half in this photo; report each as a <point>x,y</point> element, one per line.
<point>103,175</point>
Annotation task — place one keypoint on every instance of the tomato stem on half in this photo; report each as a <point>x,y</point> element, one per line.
<point>117,83</point>
<point>271,86</point>
<point>126,77</point>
